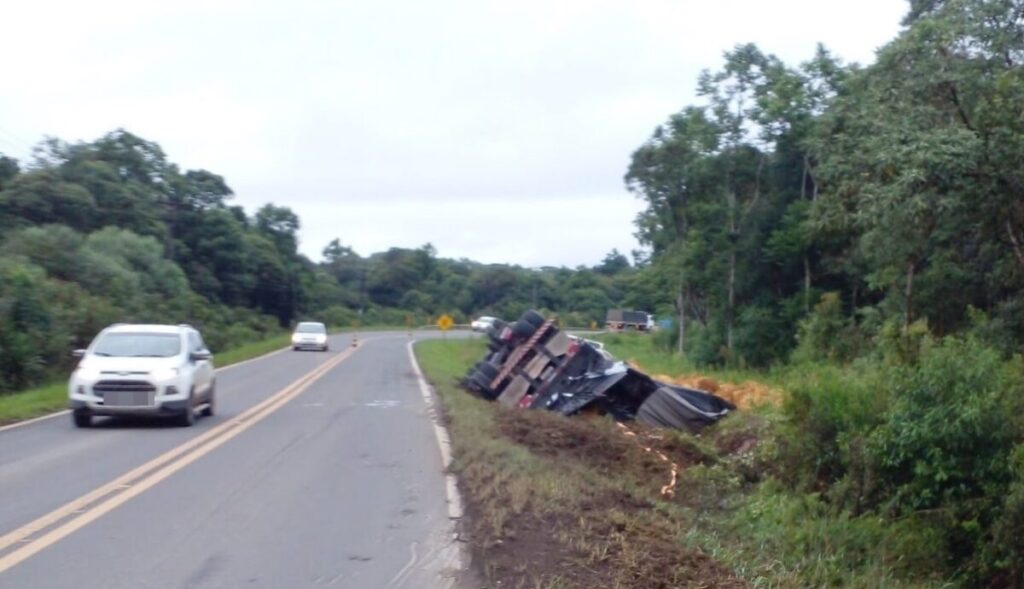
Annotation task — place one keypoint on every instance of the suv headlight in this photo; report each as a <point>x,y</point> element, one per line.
<point>165,373</point>
<point>86,373</point>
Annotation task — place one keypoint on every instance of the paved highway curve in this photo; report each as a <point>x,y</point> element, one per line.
<point>318,470</point>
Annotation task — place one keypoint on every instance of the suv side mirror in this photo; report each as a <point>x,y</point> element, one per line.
<point>200,355</point>
<point>78,353</point>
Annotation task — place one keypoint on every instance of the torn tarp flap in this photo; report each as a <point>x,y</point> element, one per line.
<point>624,399</point>
<point>572,393</point>
<point>620,391</point>
<point>575,394</point>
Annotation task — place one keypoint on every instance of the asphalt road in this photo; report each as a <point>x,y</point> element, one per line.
<point>336,481</point>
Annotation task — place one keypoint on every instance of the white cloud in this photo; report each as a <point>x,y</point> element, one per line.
<point>395,112</point>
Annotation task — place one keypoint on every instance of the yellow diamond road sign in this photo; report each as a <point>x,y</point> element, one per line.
<point>445,322</point>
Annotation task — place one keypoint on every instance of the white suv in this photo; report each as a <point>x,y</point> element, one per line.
<point>161,370</point>
<point>310,335</point>
<point>482,323</point>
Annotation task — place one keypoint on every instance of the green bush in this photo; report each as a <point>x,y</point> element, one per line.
<point>829,412</point>
<point>992,331</point>
<point>945,437</point>
<point>31,336</point>
<point>384,316</point>
<point>337,317</point>
<point>1005,555</point>
<point>827,334</point>
<point>929,439</point>
<point>947,441</point>
<point>812,544</point>
<point>762,335</point>
<point>897,345</point>
<point>704,345</point>
<point>667,339</point>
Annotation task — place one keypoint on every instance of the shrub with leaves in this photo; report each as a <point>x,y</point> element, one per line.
<point>944,450</point>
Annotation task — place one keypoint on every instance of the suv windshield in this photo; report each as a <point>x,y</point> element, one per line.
<point>310,328</point>
<point>138,345</point>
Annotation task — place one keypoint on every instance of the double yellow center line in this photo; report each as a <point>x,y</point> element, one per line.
<point>26,541</point>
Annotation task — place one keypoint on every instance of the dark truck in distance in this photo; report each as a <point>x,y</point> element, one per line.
<point>532,364</point>
<point>622,320</point>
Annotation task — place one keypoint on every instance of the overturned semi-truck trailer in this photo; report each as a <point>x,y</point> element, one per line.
<point>532,364</point>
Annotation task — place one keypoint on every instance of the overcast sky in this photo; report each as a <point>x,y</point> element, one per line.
<point>498,131</point>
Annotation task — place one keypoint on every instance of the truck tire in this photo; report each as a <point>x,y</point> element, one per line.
<point>523,329</point>
<point>533,318</point>
<point>495,329</point>
<point>487,369</point>
<point>482,384</point>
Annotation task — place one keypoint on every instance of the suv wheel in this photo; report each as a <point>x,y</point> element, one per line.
<point>81,418</point>
<point>211,401</point>
<point>187,418</point>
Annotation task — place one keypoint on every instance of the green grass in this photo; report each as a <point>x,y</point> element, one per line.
<point>252,350</point>
<point>33,402</point>
<point>585,514</point>
<point>54,397</point>
<point>641,348</point>
<point>562,502</point>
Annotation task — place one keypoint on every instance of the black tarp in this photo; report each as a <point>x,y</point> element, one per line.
<point>682,408</point>
<point>586,377</point>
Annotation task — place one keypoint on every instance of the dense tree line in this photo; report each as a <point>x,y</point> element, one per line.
<point>897,186</point>
<point>99,232</point>
<point>867,225</point>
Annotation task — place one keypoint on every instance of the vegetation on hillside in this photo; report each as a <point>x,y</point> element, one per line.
<point>897,473</point>
<point>895,191</point>
<point>860,232</point>
<point>112,231</point>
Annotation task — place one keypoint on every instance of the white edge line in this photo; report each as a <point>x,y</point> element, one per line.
<point>34,420</point>
<point>66,411</point>
<point>451,489</point>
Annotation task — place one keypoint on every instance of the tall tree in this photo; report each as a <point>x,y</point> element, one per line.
<point>732,96</point>
<point>8,170</point>
<point>673,172</point>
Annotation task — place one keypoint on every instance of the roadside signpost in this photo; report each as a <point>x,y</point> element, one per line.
<point>444,322</point>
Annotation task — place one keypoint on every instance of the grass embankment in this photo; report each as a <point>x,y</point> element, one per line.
<point>576,502</point>
<point>54,397</point>
<point>555,502</point>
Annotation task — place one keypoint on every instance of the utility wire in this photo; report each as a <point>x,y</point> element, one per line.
<point>19,144</point>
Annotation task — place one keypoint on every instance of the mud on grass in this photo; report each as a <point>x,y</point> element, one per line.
<point>567,502</point>
<point>610,539</point>
<point>633,453</point>
<point>584,534</point>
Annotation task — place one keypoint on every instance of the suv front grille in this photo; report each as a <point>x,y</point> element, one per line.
<point>125,393</point>
<point>123,385</point>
